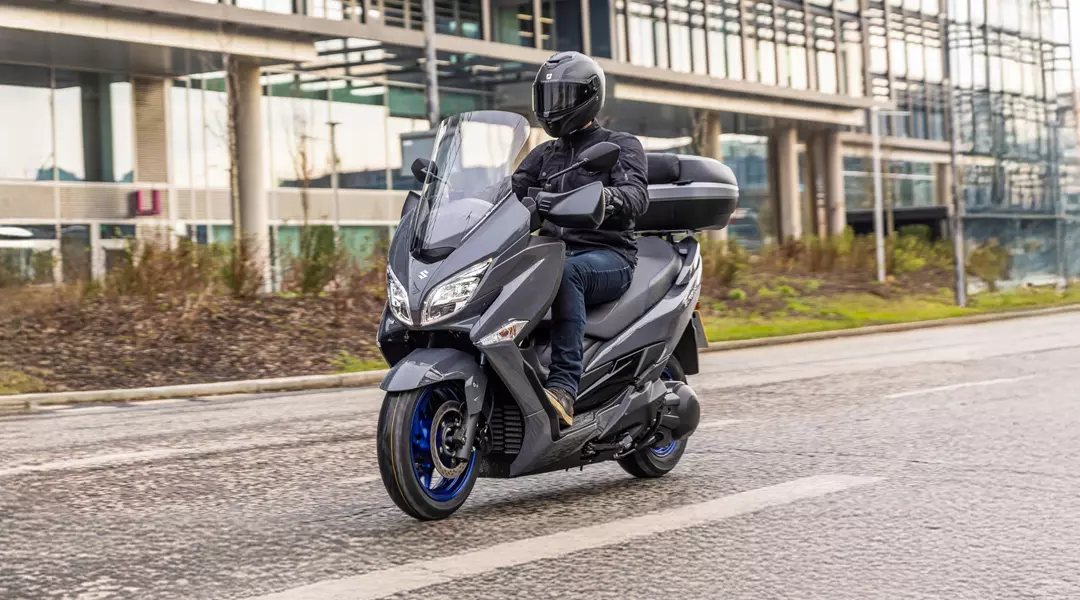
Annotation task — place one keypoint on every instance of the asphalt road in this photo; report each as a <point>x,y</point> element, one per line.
<point>942,463</point>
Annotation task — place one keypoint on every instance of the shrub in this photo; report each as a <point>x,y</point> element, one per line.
<point>786,291</point>
<point>990,262</point>
<point>241,272</point>
<point>320,261</point>
<point>723,262</point>
<point>153,268</point>
<point>736,295</point>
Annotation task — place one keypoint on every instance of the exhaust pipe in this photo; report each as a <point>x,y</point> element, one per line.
<point>682,413</point>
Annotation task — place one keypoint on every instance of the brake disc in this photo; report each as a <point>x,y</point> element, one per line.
<point>445,425</point>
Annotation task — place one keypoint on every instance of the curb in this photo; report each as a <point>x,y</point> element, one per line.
<point>887,328</point>
<point>10,405</point>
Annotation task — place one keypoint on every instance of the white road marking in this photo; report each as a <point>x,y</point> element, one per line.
<point>421,574</point>
<point>99,461</point>
<point>958,386</point>
<point>360,480</point>
<point>719,424</point>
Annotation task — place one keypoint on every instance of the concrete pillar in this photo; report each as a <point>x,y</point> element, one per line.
<point>815,189</point>
<point>97,126</point>
<point>711,148</point>
<point>253,220</point>
<point>786,164</point>
<point>943,185</point>
<point>833,166</point>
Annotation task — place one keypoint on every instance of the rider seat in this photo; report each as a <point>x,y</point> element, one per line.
<point>658,266</point>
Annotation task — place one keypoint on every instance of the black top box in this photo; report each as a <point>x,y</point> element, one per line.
<point>688,193</point>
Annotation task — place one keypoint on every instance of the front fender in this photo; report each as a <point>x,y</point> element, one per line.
<point>426,366</point>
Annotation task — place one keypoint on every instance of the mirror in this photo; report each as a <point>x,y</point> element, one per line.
<point>421,167</point>
<point>412,199</point>
<point>600,157</point>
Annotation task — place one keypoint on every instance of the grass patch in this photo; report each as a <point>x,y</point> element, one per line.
<point>345,362</point>
<point>847,311</point>
<point>17,382</point>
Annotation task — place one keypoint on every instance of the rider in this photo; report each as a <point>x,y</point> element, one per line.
<point>568,93</point>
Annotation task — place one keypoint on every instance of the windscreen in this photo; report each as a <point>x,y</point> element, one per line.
<point>474,155</point>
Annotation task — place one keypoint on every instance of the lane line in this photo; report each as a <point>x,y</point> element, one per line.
<point>717,424</point>
<point>958,386</point>
<point>421,574</point>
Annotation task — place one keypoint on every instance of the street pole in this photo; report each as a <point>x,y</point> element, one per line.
<point>334,175</point>
<point>431,68</point>
<point>879,225</point>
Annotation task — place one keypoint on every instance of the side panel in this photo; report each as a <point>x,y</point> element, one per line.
<point>425,366</point>
<point>664,322</point>
<point>528,280</point>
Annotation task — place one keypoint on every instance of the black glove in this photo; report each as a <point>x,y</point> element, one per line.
<point>613,203</point>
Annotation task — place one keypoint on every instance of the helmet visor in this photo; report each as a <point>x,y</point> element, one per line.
<point>551,98</point>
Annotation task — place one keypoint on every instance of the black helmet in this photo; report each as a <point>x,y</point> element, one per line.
<point>568,93</point>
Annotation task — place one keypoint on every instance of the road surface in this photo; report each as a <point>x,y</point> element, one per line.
<point>942,463</point>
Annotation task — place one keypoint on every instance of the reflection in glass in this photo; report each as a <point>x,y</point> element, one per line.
<point>26,142</point>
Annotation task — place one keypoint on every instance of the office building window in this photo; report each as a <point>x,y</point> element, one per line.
<point>26,142</point>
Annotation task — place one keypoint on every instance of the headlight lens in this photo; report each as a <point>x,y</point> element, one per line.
<point>397,298</point>
<point>453,295</point>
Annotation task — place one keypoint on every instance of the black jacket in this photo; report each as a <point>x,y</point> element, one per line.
<point>627,180</point>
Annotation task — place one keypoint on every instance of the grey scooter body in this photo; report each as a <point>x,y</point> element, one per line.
<point>623,389</point>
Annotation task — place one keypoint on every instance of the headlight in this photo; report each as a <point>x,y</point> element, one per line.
<point>453,295</point>
<point>397,298</point>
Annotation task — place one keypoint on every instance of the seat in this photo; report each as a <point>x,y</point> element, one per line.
<point>658,266</point>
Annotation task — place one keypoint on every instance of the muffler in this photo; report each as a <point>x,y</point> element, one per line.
<point>682,413</point>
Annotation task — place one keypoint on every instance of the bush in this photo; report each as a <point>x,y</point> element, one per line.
<point>241,272</point>
<point>990,262</point>
<point>736,295</point>
<point>152,268</point>
<point>320,261</point>
<point>786,291</point>
<point>723,262</point>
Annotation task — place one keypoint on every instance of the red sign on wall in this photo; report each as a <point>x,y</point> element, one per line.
<point>144,206</point>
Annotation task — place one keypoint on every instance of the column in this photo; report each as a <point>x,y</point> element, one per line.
<point>710,131</point>
<point>787,194</point>
<point>96,126</point>
<point>815,190</point>
<point>150,112</point>
<point>836,206</point>
<point>253,220</point>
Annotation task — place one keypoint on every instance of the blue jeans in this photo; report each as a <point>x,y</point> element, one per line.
<point>590,277</point>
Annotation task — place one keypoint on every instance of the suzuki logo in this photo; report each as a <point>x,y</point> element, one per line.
<point>423,274</point>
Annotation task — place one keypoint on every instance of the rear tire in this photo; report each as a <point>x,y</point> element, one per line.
<point>650,463</point>
<point>405,459</point>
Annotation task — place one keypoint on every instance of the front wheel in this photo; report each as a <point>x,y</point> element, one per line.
<point>419,430</point>
<point>657,461</point>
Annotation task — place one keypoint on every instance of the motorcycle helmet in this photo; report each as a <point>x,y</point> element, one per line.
<point>568,93</point>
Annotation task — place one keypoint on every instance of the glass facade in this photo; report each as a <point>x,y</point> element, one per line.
<point>65,125</point>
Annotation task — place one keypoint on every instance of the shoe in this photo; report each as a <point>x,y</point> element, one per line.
<point>562,402</point>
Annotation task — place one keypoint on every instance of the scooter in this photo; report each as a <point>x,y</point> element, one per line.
<point>466,327</point>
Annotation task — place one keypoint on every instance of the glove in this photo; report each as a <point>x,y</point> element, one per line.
<point>612,202</point>
<point>535,221</point>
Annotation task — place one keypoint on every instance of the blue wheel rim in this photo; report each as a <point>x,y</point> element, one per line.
<point>437,487</point>
<point>666,450</point>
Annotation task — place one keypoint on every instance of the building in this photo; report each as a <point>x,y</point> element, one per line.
<point>108,106</point>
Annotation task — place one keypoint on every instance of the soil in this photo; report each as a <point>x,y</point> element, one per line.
<point>108,343</point>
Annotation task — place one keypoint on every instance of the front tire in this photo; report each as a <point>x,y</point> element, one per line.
<point>650,463</point>
<point>406,460</point>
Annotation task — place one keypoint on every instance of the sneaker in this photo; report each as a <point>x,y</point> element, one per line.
<point>562,402</point>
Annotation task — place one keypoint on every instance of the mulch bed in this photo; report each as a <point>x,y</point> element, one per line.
<point>109,343</point>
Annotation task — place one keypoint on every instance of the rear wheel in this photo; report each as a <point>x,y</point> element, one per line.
<point>419,431</point>
<point>657,461</point>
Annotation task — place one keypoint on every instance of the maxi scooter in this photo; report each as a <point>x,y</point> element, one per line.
<point>466,325</point>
